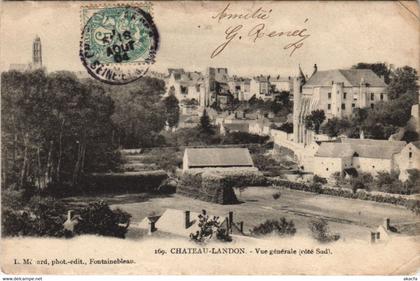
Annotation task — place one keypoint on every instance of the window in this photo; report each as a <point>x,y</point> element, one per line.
<point>329,106</point>
<point>353,105</point>
<point>329,95</point>
<point>372,106</point>
<point>410,154</point>
<point>184,90</point>
<point>372,96</point>
<point>373,166</point>
<point>197,88</point>
<point>326,169</point>
<point>382,96</point>
<point>345,95</point>
<point>343,106</point>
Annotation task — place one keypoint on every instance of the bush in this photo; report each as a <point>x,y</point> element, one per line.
<point>98,218</point>
<point>125,182</point>
<point>321,233</point>
<point>276,195</point>
<point>41,217</point>
<point>318,179</point>
<point>361,194</point>
<point>208,227</point>
<point>281,227</point>
<point>244,138</point>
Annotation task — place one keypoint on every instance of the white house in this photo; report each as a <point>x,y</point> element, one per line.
<point>364,155</point>
<point>408,159</point>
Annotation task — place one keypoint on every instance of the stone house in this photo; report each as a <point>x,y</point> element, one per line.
<point>364,155</point>
<point>408,159</point>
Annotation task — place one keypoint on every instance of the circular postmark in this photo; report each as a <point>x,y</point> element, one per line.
<point>119,44</point>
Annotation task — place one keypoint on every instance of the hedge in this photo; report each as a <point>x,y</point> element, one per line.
<point>216,185</point>
<point>411,204</point>
<point>126,182</point>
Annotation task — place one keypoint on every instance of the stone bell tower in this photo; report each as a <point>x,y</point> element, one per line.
<point>37,53</point>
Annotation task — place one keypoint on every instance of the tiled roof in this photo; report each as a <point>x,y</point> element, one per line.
<point>350,77</point>
<point>378,149</point>
<point>416,144</point>
<point>334,150</point>
<point>218,157</point>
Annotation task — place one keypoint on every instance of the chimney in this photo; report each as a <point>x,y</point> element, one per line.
<point>69,215</point>
<point>241,226</point>
<point>230,221</point>
<point>387,222</point>
<point>187,219</point>
<point>152,227</point>
<point>372,237</point>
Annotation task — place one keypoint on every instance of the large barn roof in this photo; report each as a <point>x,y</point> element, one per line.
<point>218,157</point>
<point>350,78</point>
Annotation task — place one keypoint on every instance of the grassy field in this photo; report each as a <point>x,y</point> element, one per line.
<point>353,219</point>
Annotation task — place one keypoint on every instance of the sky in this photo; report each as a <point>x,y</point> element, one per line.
<point>341,34</point>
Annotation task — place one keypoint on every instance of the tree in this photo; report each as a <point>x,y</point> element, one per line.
<point>54,129</point>
<point>381,69</point>
<point>139,113</point>
<point>205,126</point>
<point>314,120</point>
<point>403,82</point>
<point>335,127</point>
<point>171,110</point>
<point>320,231</point>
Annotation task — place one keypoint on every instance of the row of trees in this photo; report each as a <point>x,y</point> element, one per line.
<point>54,129</point>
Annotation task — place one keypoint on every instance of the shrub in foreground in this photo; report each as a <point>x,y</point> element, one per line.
<point>321,232</point>
<point>281,227</point>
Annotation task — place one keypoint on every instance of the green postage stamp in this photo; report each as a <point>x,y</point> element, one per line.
<point>118,41</point>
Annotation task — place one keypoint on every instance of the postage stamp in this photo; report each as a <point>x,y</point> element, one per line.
<point>118,42</point>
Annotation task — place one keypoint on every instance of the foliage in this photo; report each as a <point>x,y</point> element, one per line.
<point>286,127</point>
<point>98,218</point>
<point>142,181</point>
<point>281,227</point>
<point>337,126</point>
<point>314,120</point>
<point>381,69</point>
<point>171,110</point>
<point>243,138</point>
<point>403,82</point>
<point>321,232</point>
<point>410,136</point>
<point>208,227</point>
<point>276,195</point>
<point>55,129</point>
<point>361,194</point>
<point>40,217</point>
<point>140,114</point>
<point>205,126</point>
<point>318,179</point>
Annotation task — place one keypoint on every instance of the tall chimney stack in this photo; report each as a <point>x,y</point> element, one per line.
<point>387,222</point>
<point>187,219</point>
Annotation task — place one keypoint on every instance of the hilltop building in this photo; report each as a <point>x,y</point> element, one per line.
<point>337,92</point>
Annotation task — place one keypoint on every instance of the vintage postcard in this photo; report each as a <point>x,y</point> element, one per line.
<point>210,138</point>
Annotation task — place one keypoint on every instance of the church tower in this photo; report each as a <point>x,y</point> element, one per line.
<point>36,53</point>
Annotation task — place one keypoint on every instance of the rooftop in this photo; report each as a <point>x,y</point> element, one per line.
<point>366,148</point>
<point>350,78</point>
<point>218,157</point>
